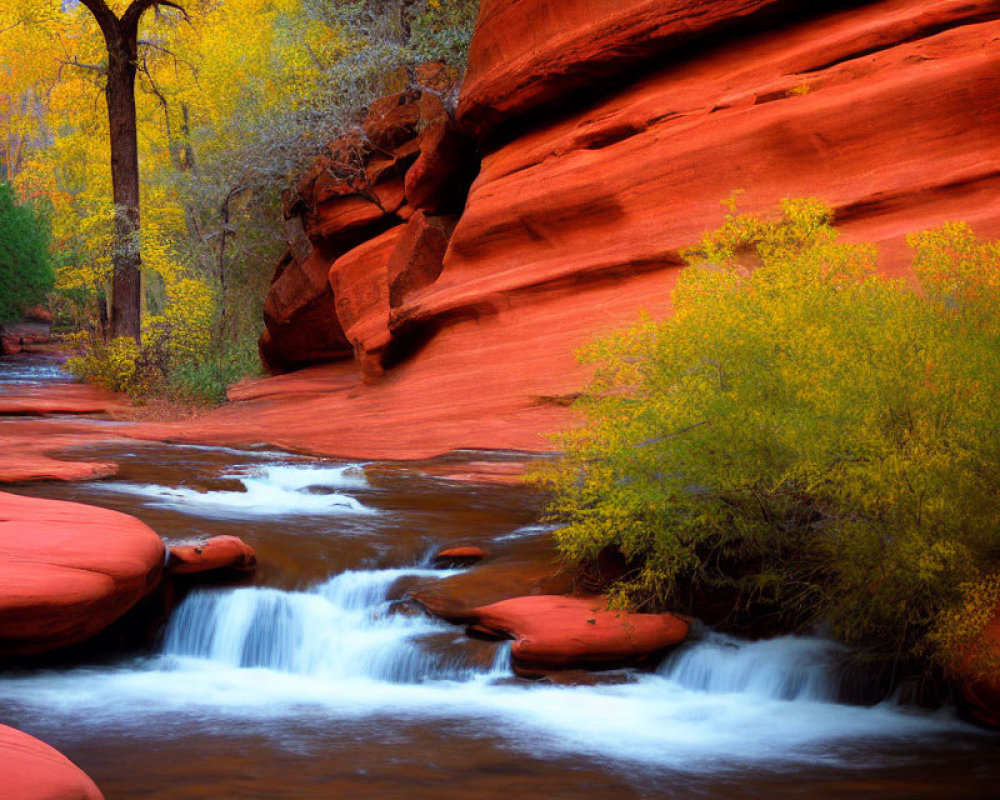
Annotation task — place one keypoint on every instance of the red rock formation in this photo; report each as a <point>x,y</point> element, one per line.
<point>360,284</point>
<point>29,467</point>
<point>28,442</point>
<point>464,554</point>
<point>302,325</point>
<point>59,399</point>
<point>887,110</point>
<point>418,256</point>
<point>532,568</point>
<point>622,185</point>
<point>69,571</point>
<point>531,54</point>
<point>217,553</point>
<point>553,632</point>
<point>352,194</point>
<point>983,693</point>
<point>31,770</point>
<point>38,314</point>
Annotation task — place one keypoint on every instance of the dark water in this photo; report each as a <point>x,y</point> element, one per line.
<point>313,682</point>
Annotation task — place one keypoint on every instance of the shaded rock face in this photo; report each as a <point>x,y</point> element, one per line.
<point>67,571</point>
<point>407,157</point>
<point>609,134</point>
<point>32,770</point>
<point>983,693</point>
<point>529,54</point>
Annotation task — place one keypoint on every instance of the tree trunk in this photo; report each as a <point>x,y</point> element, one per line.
<point>126,290</point>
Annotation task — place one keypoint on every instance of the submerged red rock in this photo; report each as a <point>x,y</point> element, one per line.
<point>68,570</point>
<point>219,552</point>
<point>554,632</point>
<point>31,770</point>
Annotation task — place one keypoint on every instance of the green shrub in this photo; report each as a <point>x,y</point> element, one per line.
<point>25,268</point>
<point>206,379</point>
<point>180,358</point>
<point>802,434</point>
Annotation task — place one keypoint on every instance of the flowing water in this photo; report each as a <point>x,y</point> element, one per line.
<point>317,680</point>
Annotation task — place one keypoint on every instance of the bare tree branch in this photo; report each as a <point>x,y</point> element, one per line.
<point>105,17</point>
<point>130,19</point>
<point>74,62</point>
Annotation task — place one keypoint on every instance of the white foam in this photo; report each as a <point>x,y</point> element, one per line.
<point>280,489</point>
<point>338,651</point>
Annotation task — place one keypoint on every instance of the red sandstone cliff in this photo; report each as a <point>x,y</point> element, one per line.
<point>605,136</point>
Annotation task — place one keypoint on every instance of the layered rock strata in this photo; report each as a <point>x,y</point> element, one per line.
<point>608,134</point>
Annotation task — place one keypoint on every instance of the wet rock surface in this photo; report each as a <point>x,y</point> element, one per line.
<point>69,571</point>
<point>31,770</point>
<point>227,553</point>
<point>556,632</point>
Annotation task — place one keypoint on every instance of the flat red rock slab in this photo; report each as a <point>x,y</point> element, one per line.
<point>556,632</point>
<point>219,552</point>
<point>505,473</point>
<point>59,399</point>
<point>31,770</point>
<point>68,570</point>
<point>27,443</point>
<point>466,554</point>
<point>26,468</point>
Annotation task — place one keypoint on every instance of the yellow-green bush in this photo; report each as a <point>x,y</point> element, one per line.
<point>119,364</point>
<point>180,354</point>
<point>817,441</point>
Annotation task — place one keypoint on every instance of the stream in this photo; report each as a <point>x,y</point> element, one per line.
<point>313,680</point>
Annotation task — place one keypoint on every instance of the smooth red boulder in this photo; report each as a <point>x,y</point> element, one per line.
<point>219,552</point>
<point>555,632</point>
<point>508,473</point>
<point>31,770</point>
<point>28,467</point>
<point>68,570</point>
<point>464,554</point>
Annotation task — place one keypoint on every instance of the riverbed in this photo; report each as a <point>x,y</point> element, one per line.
<point>316,679</point>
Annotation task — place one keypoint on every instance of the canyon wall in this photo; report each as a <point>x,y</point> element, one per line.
<point>449,263</point>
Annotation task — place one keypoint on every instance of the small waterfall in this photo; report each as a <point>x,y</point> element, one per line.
<point>785,668</point>
<point>344,628</point>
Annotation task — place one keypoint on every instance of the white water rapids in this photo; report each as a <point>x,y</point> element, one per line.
<point>339,650</point>
<point>242,658</point>
<point>269,490</point>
